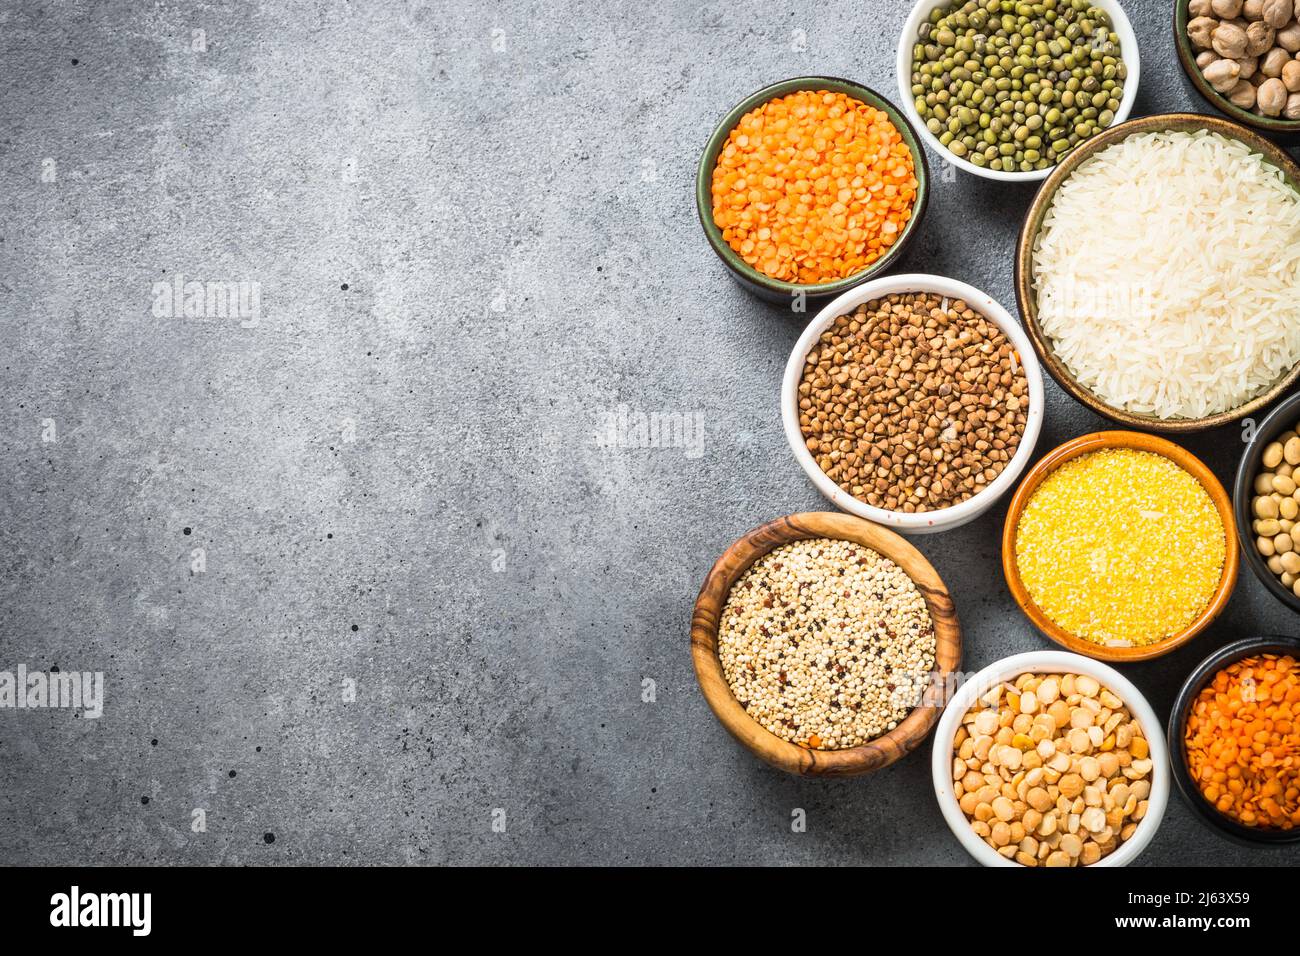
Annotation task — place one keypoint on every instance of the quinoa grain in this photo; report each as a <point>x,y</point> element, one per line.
<point>826,643</point>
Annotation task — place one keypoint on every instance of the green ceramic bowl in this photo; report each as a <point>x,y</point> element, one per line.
<point>1187,57</point>
<point>775,289</point>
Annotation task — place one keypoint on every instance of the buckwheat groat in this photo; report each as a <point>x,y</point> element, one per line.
<point>826,643</point>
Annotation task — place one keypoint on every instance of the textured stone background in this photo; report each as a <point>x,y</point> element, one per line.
<point>473,255</point>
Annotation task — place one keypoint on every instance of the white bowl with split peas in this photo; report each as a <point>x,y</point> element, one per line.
<point>1049,662</point>
<point>1128,48</point>
<point>943,519</point>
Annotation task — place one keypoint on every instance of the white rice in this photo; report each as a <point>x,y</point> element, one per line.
<point>1168,274</point>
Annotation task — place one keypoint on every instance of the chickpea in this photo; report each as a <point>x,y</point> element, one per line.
<point>1290,75</point>
<point>1271,97</point>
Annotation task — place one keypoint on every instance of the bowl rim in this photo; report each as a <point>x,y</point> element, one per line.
<point>742,270</point>
<point>1051,662</point>
<point>1199,677</point>
<point>1096,441</point>
<point>737,559</point>
<point>1128,41</point>
<point>1027,301</point>
<point>1183,44</point>
<point>1243,493</point>
<point>928,521</point>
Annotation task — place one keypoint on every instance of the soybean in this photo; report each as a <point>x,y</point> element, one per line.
<point>1276,507</point>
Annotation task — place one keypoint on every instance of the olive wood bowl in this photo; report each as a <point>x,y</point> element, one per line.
<point>737,559</point>
<point>1095,442</point>
<point>1026,296</point>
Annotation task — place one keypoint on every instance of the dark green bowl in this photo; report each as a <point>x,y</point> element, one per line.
<point>775,289</point>
<point>1187,57</point>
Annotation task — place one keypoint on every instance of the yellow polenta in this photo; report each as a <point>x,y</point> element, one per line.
<point>1120,547</point>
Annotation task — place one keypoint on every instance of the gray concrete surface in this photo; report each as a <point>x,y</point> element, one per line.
<point>473,236</point>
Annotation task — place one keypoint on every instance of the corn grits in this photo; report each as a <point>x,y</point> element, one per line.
<point>1120,547</point>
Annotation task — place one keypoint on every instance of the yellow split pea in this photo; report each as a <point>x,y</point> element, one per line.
<point>1121,547</point>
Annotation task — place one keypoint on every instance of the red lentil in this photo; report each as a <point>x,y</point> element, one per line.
<point>813,187</point>
<point>1243,742</point>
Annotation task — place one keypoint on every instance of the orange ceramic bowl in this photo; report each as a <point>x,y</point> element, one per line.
<point>1141,442</point>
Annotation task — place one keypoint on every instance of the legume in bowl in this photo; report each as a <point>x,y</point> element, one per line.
<point>1244,59</point>
<point>1234,736</point>
<point>914,401</point>
<point>1005,89</point>
<point>1051,759</point>
<point>1120,546</point>
<point>811,186</point>
<point>1267,502</point>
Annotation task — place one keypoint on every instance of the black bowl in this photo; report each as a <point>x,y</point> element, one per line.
<point>1281,419</point>
<point>1203,674</point>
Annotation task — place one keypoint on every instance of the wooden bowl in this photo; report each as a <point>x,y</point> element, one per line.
<point>778,290</point>
<point>1095,442</point>
<point>1187,57</point>
<point>1027,299</point>
<point>737,559</point>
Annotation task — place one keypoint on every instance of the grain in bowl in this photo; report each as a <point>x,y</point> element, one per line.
<point>826,643</point>
<point>1120,547</point>
<point>1275,508</point>
<point>1164,273</point>
<point>913,402</point>
<point>1242,739</point>
<point>1015,87</point>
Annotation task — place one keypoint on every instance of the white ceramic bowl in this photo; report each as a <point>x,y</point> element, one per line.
<point>1049,662</point>
<point>929,521</point>
<point>1128,46</point>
